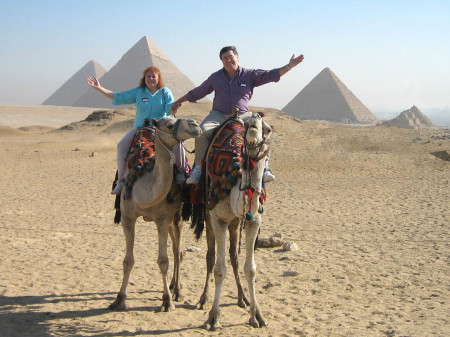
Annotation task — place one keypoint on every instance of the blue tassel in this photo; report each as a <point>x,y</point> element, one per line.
<point>249,216</point>
<point>232,180</point>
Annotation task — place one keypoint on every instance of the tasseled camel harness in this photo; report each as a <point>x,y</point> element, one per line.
<point>248,165</point>
<point>227,150</point>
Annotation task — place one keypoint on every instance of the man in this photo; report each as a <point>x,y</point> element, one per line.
<point>233,88</point>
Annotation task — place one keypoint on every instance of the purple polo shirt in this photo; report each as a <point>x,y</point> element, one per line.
<point>236,92</point>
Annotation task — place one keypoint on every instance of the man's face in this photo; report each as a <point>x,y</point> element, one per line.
<point>230,61</point>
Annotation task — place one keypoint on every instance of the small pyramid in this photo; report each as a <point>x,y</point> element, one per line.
<point>126,74</point>
<point>327,98</point>
<point>412,119</point>
<point>75,86</point>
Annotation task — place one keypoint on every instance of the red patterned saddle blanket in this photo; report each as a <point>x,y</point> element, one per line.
<point>140,156</point>
<point>222,160</point>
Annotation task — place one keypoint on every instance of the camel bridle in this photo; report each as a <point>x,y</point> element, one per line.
<point>173,134</point>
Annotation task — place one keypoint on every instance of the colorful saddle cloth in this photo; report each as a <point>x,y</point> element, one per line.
<point>222,160</point>
<point>140,156</point>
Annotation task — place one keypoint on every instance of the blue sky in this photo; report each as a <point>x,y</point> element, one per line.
<point>391,54</point>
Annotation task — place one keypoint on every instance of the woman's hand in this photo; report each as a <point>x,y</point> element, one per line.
<point>94,83</point>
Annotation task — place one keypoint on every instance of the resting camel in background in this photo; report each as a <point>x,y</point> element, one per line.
<point>156,197</point>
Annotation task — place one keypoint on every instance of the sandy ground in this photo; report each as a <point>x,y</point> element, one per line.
<point>368,208</point>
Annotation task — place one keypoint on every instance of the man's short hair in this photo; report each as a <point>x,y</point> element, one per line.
<point>227,48</point>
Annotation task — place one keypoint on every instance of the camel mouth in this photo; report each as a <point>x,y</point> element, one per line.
<point>197,132</point>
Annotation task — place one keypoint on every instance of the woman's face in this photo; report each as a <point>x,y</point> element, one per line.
<point>151,79</point>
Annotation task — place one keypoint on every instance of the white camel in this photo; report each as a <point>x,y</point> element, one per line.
<point>227,215</point>
<point>156,197</point>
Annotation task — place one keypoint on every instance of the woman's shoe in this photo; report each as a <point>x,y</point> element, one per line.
<point>118,188</point>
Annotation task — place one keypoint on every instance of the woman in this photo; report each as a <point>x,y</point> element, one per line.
<point>152,100</point>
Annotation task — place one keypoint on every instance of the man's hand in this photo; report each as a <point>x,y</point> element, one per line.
<point>174,108</point>
<point>295,60</point>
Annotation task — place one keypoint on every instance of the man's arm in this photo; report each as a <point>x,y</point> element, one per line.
<point>294,61</point>
<point>177,104</point>
<point>195,94</point>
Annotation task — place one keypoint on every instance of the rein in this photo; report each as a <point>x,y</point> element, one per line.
<point>174,135</point>
<point>248,165</point>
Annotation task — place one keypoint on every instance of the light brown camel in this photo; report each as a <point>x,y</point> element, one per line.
<point>242,203</point>
<point>157,198</point>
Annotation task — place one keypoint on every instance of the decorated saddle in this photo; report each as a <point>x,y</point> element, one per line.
<point>222,160</point>
<point>140,156</point>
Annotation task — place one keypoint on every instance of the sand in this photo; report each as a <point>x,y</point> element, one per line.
<point>368,207</point>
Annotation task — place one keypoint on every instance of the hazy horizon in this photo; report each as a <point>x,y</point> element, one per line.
<point>390,54</point>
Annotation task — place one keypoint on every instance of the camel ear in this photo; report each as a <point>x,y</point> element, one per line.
<point>154,122</point>
<point>267,129</point>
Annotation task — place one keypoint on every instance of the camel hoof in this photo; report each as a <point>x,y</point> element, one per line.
<point>166,307</point>
<point>200,306</point>
<point>118,304</point>
<point>213,325</point>
<point>257,321</point>
<point>177,297</point>
<point>243,302</point>
<point>201,303</point>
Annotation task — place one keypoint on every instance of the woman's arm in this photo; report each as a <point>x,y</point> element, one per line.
<point>94,83</point>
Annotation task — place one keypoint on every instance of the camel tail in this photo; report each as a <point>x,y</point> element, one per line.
<point>118,214</point>
<point>198,219</point>
<point>186,211</point>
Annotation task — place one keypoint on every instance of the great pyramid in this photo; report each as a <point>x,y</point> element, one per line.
<point>327,98</point>
<point>75,86</point>
<point>127,72</point>
<point>412,119</point>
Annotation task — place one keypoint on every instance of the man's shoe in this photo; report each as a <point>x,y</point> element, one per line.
<point>118,188</point>
<point>195,176</point>
<point>268,176</point>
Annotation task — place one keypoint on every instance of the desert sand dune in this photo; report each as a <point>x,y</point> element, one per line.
<point>368,207</point>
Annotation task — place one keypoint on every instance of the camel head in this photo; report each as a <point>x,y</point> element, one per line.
<point>174,130</point>
<point>258,132</point>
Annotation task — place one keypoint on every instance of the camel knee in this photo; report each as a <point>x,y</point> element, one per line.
<point>163,263</point>
<point>220,271</point>
<point>250,270</point>
<point>128,263</point>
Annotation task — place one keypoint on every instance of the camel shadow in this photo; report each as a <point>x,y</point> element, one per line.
<point>30,315</point>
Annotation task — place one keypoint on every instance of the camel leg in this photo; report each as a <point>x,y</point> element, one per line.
<point>210,261</point>
<point>234,244</point>
<point>176,236</point>
<point>128,226</point>
<point>251,231</point>
<point>163,224</point>
<point>220,271</point>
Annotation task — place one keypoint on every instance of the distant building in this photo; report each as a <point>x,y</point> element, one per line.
<point>76,86</point>
<point>412,119</point>
<point>327,98</point>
